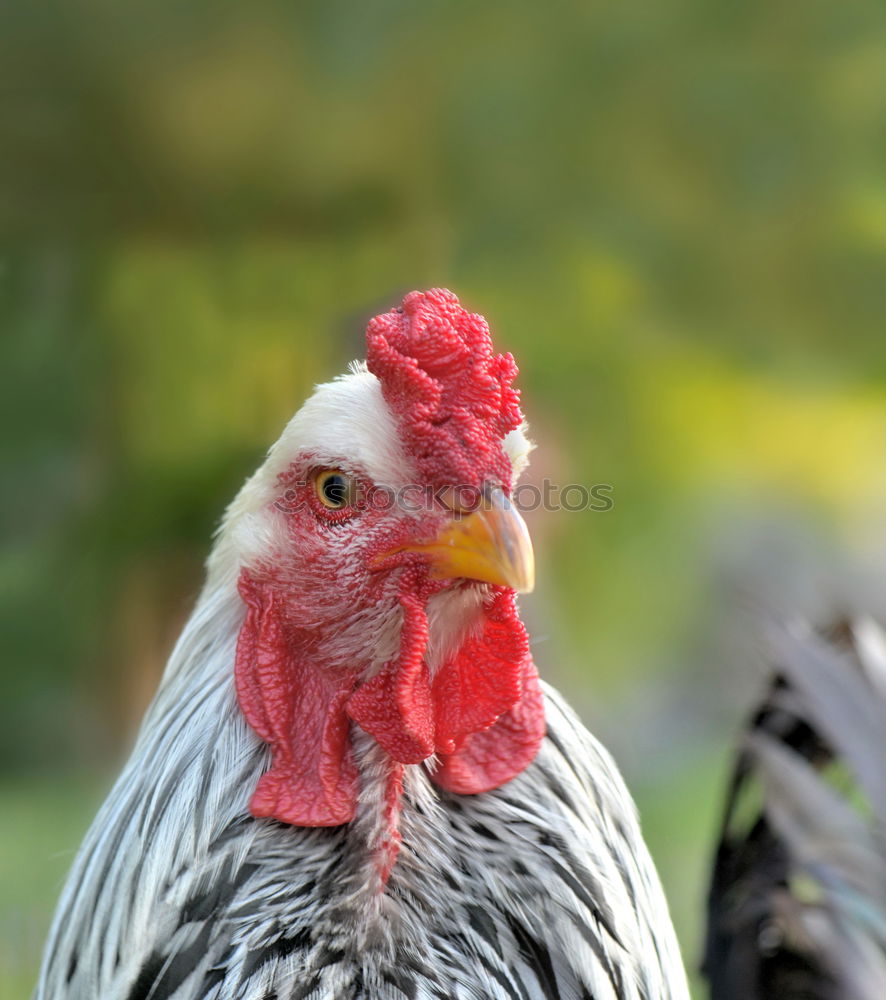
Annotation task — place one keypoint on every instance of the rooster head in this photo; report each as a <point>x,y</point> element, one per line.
<point>378,557</point>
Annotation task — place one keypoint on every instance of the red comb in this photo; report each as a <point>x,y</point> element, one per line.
<point>450,392</point>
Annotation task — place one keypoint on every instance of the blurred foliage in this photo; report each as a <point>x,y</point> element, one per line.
<point>673,214</point>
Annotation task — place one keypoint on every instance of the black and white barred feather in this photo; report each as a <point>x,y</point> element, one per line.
<point>797,899</point>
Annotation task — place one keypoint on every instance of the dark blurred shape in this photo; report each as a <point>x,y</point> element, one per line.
<point>797,902</point>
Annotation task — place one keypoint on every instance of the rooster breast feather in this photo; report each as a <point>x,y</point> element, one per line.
<point>542,888</point>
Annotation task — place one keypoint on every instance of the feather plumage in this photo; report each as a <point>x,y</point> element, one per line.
<point>797,903</point>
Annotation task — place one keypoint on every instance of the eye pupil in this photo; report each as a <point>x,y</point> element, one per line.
<point>335,490</point>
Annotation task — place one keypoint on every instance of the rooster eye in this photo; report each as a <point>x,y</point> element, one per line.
<point>335,489</point>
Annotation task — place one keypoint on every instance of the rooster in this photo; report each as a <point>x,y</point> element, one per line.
<point>351,782</point>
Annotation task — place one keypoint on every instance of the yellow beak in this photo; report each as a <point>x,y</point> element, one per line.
<point>490,544</point>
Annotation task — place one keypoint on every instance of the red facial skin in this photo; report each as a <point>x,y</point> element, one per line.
<point>318,608</point>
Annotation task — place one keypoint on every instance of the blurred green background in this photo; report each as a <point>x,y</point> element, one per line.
<point>673,214</point>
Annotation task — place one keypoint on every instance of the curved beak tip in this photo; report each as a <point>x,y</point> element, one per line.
<point>490,544</point>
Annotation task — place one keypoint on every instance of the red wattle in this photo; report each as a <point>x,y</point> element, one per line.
<point>406,734</point>
<point>483,714</point>
<point>492,757</point>
<point>299,711</point>
<point>484,678</point>
<point>395,705</point>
